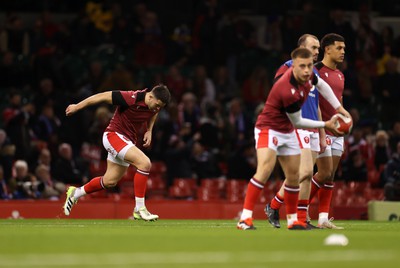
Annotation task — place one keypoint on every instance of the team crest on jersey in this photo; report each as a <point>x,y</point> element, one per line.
<point>293,91</point>
<point>133,96</point>
<point>275,141</point>
<point>328,141</point>
<point>302,93</point>
<point>340,76</point>
<point>326,74</point>
<point>307,139</point>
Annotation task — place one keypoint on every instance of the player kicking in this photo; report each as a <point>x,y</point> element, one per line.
<point>333,46</point>
<point>135,110</point>
<point>311,143</point>
<point>276,138</point>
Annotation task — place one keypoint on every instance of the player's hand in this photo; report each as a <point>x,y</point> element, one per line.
<point>71,109</point>
<point>147,139</point>
<point>331,126</point>
<point>322,146</point>
<point>343,111</point>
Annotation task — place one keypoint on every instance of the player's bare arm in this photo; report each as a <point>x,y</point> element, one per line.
<point>322,134</point>
<point>148,134</point>
<point>92,100</point>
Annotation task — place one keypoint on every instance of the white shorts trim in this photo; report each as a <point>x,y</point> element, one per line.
<point>334,146</point>
<point>116,146</point>
<point>308,139</point>
<point>281,143</point>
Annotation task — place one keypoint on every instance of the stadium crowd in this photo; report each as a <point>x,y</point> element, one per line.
<point>219,68</point>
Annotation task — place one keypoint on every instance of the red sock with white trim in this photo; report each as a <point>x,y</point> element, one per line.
<point>302,207</point>
<point>254,189</point>
<point>325,197</point>
<point>315,186</point>
<point>277,201</point>
<point>140,185</point>
<point>94,185</point>
<point>291,200</point>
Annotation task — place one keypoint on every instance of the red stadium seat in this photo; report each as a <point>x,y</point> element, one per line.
<point>235,189</point>
<point>183,188</point>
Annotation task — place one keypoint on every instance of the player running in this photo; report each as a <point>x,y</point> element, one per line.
<point>135,110</point>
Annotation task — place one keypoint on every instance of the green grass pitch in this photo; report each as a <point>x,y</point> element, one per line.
<point>192,243</point>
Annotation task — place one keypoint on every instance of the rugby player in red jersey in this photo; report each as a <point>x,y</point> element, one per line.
<point>333,46</point>
<point>135,109</point>
<point>276,139</point>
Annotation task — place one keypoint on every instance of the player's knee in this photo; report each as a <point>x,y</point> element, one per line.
<point>307,175</point>
<point>145,164</point>
<point>109,184</point>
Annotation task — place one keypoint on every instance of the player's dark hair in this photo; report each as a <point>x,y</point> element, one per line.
<point>161,92</point>
<point>303,38</point>
<point>301,52</point>
<point>330,39</point>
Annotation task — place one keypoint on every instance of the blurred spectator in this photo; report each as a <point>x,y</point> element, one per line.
<point>47,94</point>
<point>102,19</point>
<point>204,162</point>
<point>179,50</point>
<point>338,24</point>
<point>357,142</point>
<point>38,40</point>
<point>101,119</point>
<point>255,88</point>
<point>205,32</point>
<point>394,136</point>
<point>47,125</point>
<point>44,158</point>
<point>119,78</point>
<point>176,82</point>
<point>351,89</point>
<point>177,159</point>
<point>203,86</point>
<point>150,51</point>
<point>388,91</point>
<point>23,184</point>
<point>7,154</point>
<point>67,169</point>
<point>270,36</point>
<point>16,119</point>
<point>355,168</point>
<point>392,177</point>
<point>136,20</point>
<point>238,126</point>
<point>231,41</point>
<point>189,113</point>
<point>52,189</point>
<point>382,149</point>
<point>242,163</point>
<point>50,28</point>
<point>3,185</point>
<point>311,20</point>
<point>225,88</point>
<point>121,34</point>
<point>211,125</point>
<point>14,73</point>
<point>14,37</point>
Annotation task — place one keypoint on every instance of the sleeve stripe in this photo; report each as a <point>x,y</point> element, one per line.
<point>117,99</point>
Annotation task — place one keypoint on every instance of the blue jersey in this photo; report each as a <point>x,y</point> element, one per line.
<point>310,107</point>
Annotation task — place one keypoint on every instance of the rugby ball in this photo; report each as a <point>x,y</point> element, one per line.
<point>344,124</point>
